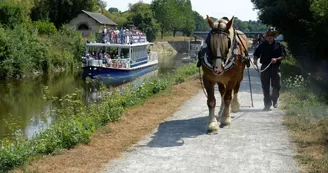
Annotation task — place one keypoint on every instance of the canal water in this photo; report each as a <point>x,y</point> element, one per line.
<point>21,101</point>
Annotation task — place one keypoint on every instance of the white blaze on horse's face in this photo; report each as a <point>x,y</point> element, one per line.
<point>218,61</point>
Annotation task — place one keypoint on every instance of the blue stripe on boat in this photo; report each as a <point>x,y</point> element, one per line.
<point>116,76</point>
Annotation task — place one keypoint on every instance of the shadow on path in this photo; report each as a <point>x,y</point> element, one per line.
<point>171,133</point>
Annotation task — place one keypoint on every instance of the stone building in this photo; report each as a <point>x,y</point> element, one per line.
<point>88,22</point>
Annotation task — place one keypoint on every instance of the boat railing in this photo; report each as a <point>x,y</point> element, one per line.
<point>115,63</point>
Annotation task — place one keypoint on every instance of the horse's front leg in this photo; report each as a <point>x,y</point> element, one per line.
<point>222,91</point>
<point>211,102</point>
<point>235,105</point>
<point>225,117</point>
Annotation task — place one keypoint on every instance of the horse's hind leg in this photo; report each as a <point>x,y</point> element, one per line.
<point>235,105</point>
<point>211,102</point>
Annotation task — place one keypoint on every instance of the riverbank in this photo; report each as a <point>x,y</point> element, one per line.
<point>77,123</point>
<point>306,116</point>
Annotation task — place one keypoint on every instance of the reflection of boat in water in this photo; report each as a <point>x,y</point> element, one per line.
<point>91,90</point>
<point>129,61</point>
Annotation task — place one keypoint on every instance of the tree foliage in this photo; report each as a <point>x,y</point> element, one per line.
<point>142,17</point>
<point>119,18</point>
<point>200,22</point>
<point>174,15</point>
<point>113,10</point>
<point>164,13</point>
<point>250,25</point>
<point>303,23</point>
<point>12,14</point>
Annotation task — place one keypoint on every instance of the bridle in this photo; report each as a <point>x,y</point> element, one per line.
<point>224,32</point>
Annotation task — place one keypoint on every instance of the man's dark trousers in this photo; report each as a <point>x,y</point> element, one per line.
<point>271,74</point>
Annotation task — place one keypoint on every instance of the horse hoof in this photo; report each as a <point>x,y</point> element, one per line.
<point>225,121</point>
<point>213,126</point>
<point>235,108</point>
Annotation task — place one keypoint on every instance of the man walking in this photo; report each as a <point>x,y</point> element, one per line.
<point>271,53</point>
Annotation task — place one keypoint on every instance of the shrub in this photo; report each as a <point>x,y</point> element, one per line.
<point>12,14</point>
<point>23,52</point>
<point>45,27</point>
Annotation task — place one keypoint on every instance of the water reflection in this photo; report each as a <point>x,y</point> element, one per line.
<point>21,100</point>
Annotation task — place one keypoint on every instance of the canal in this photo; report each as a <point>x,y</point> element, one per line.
<point>22,103</point>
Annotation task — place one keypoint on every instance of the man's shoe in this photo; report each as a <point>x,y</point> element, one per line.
<point>267,109</point>
<point>275,104</point>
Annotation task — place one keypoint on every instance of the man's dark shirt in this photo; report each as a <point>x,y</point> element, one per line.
<point>267,51</point>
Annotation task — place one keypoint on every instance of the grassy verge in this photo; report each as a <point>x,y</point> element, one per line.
<point>306,117</point>
<point>77,123</point>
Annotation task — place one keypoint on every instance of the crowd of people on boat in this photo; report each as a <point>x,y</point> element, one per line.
<point>110,59</point>
<point>122,36</point>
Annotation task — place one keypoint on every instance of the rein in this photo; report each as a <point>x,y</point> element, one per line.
<point>201,82</point>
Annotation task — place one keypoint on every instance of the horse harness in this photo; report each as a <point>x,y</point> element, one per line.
<point>205,56</point>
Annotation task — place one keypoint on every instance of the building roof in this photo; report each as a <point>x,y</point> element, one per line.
<point>100,18</point>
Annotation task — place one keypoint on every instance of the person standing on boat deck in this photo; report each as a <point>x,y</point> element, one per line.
<point>110,36</point>
<point>270,51</point>
<point>103,35</point>
<point>122,35</point>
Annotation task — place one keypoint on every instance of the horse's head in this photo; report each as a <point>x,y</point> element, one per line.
<point>220,42</point>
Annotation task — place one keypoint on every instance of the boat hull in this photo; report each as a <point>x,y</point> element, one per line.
<point>116,76</point>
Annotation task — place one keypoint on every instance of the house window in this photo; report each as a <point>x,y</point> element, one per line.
<point>83,26</point>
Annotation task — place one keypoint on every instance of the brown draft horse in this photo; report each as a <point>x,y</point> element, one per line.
<point>227,48</point>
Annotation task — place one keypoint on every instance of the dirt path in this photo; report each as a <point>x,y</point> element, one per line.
<point>111,141</point>
<point>256,141</point>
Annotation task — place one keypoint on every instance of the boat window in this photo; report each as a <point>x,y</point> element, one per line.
<point>124,53</point>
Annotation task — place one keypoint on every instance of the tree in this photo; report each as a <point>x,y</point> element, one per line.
<point>142,17</point>
<point>12,14</point>
<point>200,22</point>
<point>101,5</point>
<point>113,10</point>
<point>189,23</point>
<point>119,18</point>
<point>178,21</point>
<point>293,18</point>
<point>163,11</point>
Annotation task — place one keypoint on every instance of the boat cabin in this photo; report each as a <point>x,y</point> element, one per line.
<point>116,55</point>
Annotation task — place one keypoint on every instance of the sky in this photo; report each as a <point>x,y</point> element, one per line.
<point>243,9</point>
